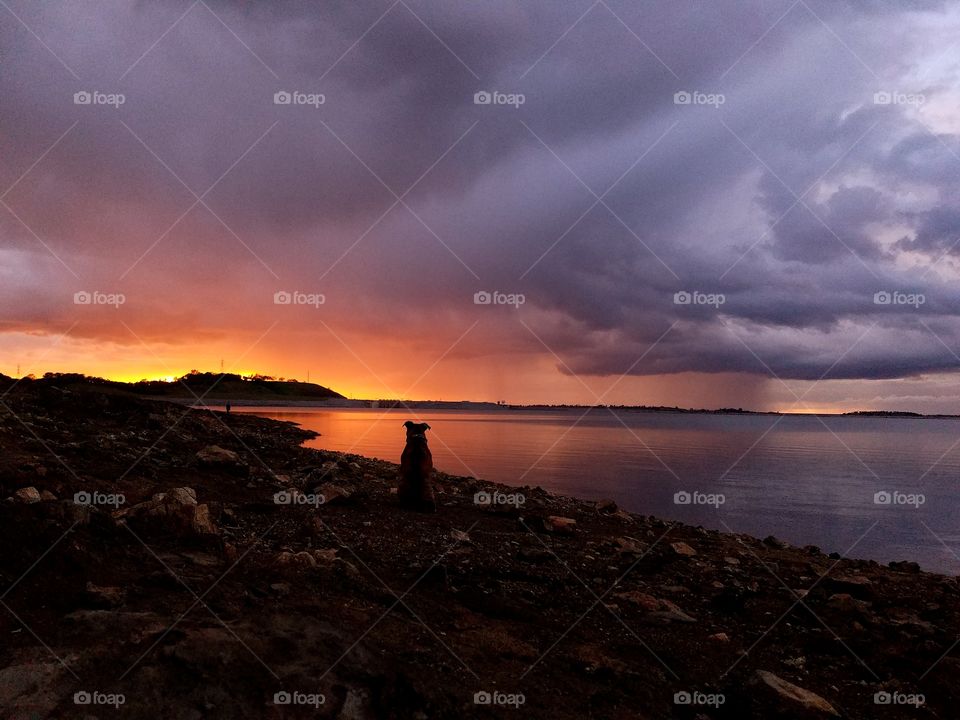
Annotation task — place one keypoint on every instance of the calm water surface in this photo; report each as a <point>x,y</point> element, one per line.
<point>803,479</point>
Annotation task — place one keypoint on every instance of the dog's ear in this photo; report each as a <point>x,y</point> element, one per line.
<point>407,424</point>
<point>426,427</point>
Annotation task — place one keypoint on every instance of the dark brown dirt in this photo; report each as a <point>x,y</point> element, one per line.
<point>403,616</point>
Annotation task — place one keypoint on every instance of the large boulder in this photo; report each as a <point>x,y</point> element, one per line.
<point>793,699</point>
<point>176,511</point>
<point>27,495</point>
<point>214,456</point>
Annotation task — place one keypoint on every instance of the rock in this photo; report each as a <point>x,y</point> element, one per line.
<point>658,610</point>
<point>175,511</point>
<point>774,542</point>
<point>302,559</point>
<point>104,597</point>
<point>719,637</point>
<point>904,566</point>
<point>904,618</point>
<point>847,603</point>
<point>534,554</point>
<point>559,525</point>
<point>27,495</point>
<point>325,556</point>
<point>347,568</point>
<point>672,613</point>
<point>202,559</point>
<point>606,506</point>
<point>201,523</point>
<point>794,695</point>
<point>644,600</point>
<point>681,548</point>
<point>47,496</point>
<point>459,536</point>
<point>334,493</point>
<point>629,546</point>
<point>216,455</point>
<point>856,585</point>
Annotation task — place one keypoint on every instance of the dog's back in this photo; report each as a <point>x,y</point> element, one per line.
<point>416,468</point>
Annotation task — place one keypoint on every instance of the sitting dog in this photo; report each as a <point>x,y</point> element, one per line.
<point>416,467</point>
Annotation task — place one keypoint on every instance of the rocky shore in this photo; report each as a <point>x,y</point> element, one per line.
<point>164,562</point>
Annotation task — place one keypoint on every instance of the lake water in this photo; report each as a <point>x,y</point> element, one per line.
<point>804,479</point>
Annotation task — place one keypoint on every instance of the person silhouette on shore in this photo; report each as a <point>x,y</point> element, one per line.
<point>228,407</point>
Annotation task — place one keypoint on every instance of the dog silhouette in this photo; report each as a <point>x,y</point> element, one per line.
<point>416,468</point>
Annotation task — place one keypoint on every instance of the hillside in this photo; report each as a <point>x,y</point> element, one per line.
<point>205,385</point>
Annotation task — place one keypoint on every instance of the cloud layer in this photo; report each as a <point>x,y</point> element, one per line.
<point>791,169</point>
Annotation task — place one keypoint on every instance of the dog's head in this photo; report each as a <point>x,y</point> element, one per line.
<point>416,430</point>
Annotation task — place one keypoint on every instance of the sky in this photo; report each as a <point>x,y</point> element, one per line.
<point>735,203</point>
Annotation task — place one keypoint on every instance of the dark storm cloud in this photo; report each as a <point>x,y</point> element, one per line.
<point>599,198</point>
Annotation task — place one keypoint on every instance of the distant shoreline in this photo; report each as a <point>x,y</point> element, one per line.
<point>204,389</point>
<point>466,405</point>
